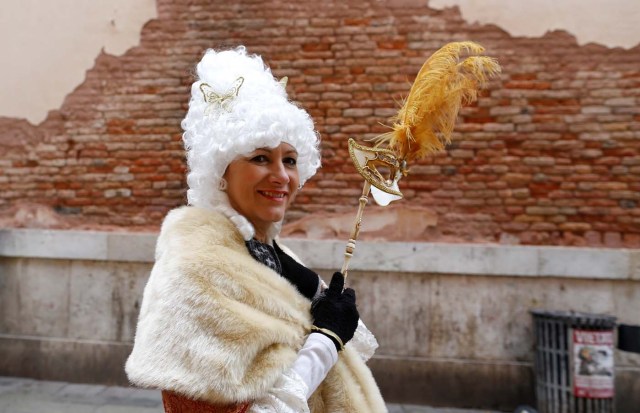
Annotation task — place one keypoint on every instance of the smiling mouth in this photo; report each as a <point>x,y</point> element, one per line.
<point>276,195</point>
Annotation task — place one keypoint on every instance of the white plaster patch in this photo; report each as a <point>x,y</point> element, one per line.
<point>613,23</point>
<point>47,47</point>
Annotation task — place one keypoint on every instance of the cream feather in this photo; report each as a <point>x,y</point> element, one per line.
<point>445,82</point>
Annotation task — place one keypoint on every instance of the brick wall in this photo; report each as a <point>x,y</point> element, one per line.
<point>549,155</point>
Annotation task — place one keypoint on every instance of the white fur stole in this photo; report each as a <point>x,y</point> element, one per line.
<point>218,326</point>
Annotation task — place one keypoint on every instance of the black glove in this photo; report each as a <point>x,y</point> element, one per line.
<point>335,312</point>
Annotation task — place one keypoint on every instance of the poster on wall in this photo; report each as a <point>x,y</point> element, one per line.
<point>593,371</point>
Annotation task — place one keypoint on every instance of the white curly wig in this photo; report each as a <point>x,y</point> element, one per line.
<point>260,116</point>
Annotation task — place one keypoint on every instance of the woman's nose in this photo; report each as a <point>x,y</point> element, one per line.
<point>279,173</point>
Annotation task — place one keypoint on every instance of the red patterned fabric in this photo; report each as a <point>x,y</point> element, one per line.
<point>174,403</point>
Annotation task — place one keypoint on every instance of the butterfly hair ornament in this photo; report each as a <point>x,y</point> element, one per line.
<point>449,79</point>
<point>217,100</point>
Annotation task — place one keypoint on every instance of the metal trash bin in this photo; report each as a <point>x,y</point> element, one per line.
<point>574,367</point>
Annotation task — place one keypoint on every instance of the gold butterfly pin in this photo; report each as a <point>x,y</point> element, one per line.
<point>217,100</point>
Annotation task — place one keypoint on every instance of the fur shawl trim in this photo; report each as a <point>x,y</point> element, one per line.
<point>218,326</point>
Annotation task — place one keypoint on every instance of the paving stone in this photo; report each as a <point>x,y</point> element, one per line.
<point>81,394</point>
<point>19,395</point>
<point>145,398</point>
<point>427,409</point>
<point>9,385</point>
<point>129,409</point>
<point>43,387</point>
<point>118,395</point>
<point>81,390</point>
<point>34,403</point>
<point>117,392</point>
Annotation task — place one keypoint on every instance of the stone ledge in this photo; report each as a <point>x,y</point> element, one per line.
<point>417,257</point>
<point>78,245</point>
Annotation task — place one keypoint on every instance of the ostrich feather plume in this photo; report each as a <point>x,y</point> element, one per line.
<point>450,78</point>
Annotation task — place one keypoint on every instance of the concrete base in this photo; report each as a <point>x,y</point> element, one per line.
<point>455,383</point>
<point>61,360</point>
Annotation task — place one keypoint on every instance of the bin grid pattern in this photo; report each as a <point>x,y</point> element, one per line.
<point>554,387</point>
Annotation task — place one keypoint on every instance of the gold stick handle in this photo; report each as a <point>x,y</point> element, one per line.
<point>351,245</point>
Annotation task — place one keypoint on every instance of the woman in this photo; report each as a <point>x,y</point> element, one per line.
<point>227,322</point>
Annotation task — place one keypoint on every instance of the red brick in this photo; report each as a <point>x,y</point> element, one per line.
<point>314,47</point>
<point>394,44</point>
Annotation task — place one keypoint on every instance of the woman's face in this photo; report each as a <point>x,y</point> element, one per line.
<point>262,185</point>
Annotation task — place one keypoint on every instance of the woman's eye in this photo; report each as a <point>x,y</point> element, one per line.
<point>290,161</point>
<point>259,159</point>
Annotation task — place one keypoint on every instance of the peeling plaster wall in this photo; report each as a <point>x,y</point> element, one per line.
<point>48,46</point>
<point>613,23</point>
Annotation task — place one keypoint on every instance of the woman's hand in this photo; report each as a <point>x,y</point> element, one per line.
<point>334,312</point>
